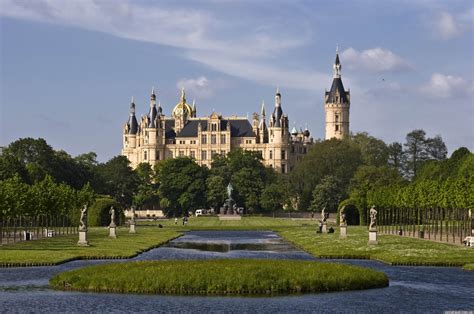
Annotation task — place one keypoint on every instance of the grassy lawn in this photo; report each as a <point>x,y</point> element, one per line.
<point>469,267</point>
<point>247,223</point>
<point>62,248</point>
<point>229,277</point>
<point>391,249</point>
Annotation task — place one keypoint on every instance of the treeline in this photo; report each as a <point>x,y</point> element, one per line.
<point>36,179</point>
<point>358,172</point>
<point>361,170</point>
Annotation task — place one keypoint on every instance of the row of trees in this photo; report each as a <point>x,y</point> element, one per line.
<point>44,197</point>
<point>357,170</point>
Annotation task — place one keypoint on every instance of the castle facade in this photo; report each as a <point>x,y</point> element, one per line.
<point>157,136</point>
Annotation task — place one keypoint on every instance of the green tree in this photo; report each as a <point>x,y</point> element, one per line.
<point>328,193</point>
<point>183,183</point>
<point>374,151</point>
<point>396,157</point>
<point>216,191</point>
<point>337,158</point>
<point>274,197</point>
<point>415,151</point>
<point>120,181</point>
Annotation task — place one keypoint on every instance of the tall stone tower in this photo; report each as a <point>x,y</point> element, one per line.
<point>337,104</point>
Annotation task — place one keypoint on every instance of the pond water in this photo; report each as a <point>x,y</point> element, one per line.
<point>412,289</point>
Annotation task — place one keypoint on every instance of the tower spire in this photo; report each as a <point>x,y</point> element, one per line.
<point>262,111</point>
<point>183,95</point>
<point>337,65</point>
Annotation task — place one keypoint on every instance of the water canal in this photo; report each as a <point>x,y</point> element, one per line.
<point>412,289</point>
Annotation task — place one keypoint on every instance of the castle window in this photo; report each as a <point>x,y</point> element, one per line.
<point>170,154</point>
<point>181,153</point>
<point>214,127</point>
<point>222,138</point>
<point>223,153</point>
<point>213,153</point>
<point>283,168</point>
<point>193,154</point>
<point>145,155</point>
<point>337,127</point>
<point>157,155</point>
<point>213,139</point>
<point>271,154</point>
<point>193,142</point>
<point>203,155</point>
<point>283,154</point>
<point>337,118</point>
<point>203,139</point>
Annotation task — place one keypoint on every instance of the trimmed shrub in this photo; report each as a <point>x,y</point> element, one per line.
<point>99,212</point>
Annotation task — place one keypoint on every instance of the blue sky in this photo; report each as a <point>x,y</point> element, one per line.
<point>69,68</point>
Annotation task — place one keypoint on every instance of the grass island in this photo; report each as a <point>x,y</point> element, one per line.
<point>220,277</point>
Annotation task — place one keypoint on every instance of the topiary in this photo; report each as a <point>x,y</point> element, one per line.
<point>99,212</point>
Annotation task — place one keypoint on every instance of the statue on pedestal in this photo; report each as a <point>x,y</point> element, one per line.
<point>373,218</point>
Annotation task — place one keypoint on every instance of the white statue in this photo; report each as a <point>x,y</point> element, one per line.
<point>324,215</point>
<point>83,219</point>
<point>373,218</point>
<point>342,216</point>
<point>132,218</point>
<point>112,217</point>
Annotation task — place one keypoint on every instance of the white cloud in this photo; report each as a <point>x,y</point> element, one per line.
<point>374,60</point>
<point>200,87</point>
<point>446,86</point>
<point>197,33</point>
<point>448,26</point>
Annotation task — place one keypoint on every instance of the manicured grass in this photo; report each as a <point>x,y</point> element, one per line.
<point>221,277</point>
<point>469,267</point>
<point>391,249</point>
<point>63,248</point>
<point>247,223</point>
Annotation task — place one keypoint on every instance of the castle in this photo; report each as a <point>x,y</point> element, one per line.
<point>157,137</point>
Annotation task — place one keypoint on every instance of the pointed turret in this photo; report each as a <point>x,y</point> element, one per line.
<point>337,94</point>
<point>262,117</point>
<point>153,112</point>
<point>193,109</point>
<point>132,121</point>
<point>277,112</point>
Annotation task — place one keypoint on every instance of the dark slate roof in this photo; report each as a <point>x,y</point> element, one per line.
<point>133,125</point>
<point>336,86</point>
<point>169,129</point>
<point>238,128</point>
<point>277,113</point>
<point>152,116</point>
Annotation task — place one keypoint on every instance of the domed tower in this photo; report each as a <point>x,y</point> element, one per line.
<point>337,104</point>
<point>181,112</point>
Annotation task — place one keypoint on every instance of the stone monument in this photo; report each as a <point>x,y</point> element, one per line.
<point>229,210</point>
<point>112,226</point>
<point>83,228</point>
<point>373,226</point>
<point>132,221</point>
<point>342,223</point>
<point>324,217</point>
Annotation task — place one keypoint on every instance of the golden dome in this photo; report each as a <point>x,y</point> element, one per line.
<point>182,107</point>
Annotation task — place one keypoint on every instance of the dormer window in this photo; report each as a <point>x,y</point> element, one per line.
<point>214,127</point>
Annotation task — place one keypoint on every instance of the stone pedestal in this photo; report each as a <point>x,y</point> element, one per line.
<point>112,233</point>
<point>343,231</point>
<point>83,238</point>
<point>324,228</point>
<point>132,228</point>
<point>372,236</point>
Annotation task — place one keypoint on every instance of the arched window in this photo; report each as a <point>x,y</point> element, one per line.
<point>145,155</point>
